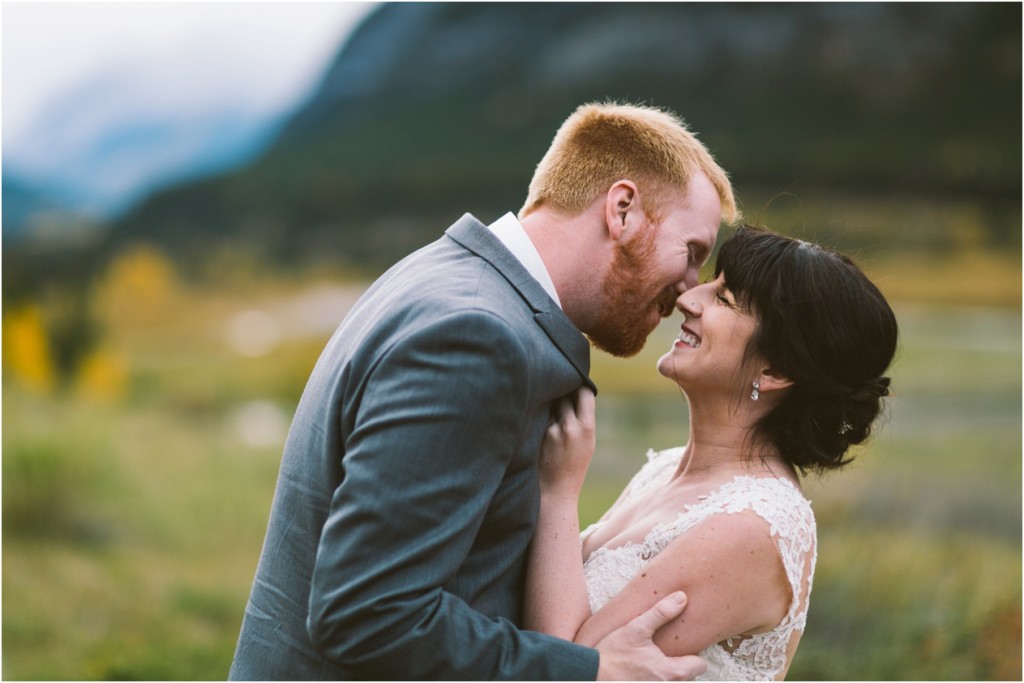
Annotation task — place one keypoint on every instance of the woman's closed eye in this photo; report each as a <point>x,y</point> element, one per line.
<point>727,298</point>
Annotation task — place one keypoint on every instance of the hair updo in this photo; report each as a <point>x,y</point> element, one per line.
<point>823,325</point>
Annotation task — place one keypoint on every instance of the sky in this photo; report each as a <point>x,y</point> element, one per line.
<point>264,55</point>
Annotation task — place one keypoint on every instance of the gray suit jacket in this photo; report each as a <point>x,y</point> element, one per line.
<point>408,494</point>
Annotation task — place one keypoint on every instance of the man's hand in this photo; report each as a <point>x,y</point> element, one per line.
<point>629,654</point>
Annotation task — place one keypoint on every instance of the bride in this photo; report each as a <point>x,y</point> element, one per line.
<point>781,359</point>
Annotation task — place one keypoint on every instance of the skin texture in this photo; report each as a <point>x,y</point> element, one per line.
<point>727,565</point>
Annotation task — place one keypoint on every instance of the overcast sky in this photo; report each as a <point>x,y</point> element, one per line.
<point>260,54</point>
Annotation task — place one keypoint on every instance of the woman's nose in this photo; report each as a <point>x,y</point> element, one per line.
<point>694,298</point>
<point>689,303</point>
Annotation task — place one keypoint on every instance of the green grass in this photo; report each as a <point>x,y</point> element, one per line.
<point>132,529</point>
<point>145,576</point>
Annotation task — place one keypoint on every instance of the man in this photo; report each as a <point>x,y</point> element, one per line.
<point>408,489</point>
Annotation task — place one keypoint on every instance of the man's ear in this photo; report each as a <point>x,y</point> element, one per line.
<point>621,207</point>
<point>771,380</point>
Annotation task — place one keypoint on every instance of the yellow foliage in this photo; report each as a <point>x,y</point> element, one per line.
<point>966,278</point>
<point>102,377</point>
<point>138,287</point>
<point>26,349</point>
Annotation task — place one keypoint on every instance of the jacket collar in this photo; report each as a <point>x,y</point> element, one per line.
<point>474,236</point>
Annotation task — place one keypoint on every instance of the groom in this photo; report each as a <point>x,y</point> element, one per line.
<point>408,493</point>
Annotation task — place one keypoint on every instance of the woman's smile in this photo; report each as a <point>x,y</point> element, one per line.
<point>687,338</point>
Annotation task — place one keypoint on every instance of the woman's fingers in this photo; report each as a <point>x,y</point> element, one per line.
<point>573,416</point>
<point>585,405</point>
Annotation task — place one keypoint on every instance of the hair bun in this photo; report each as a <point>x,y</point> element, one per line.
<point>871,390</point>
<point>860,408</point>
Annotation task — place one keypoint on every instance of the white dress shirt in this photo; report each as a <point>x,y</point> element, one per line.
<point>511,233</point>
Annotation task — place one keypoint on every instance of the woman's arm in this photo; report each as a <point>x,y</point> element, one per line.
<point>732,574</point>
<point>556,600</point>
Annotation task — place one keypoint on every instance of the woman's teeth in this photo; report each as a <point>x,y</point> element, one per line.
<point>689,339</point>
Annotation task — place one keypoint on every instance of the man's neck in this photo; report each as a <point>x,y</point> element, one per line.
<point>510,231</point>
<point>570,251</point>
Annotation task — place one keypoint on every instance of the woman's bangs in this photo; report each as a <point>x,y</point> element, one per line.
<point>750,260</point>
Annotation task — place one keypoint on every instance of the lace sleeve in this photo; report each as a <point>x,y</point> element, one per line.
<point>659,466</point>
<point>792,527</point>
<point>776,501</point>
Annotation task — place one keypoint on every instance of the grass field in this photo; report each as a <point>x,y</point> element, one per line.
<point>132,519</point>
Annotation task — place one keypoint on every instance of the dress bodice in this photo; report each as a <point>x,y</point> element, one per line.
<point>763,656</point>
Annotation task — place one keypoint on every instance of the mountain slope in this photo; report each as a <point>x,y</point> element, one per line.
<point>432,109</point>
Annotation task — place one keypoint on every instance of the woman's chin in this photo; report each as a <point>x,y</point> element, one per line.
<point>666,368</point>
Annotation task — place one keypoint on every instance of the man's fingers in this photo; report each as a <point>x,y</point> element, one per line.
<point>631,654</point>
<point>689,667</point>
<point>664,611</point>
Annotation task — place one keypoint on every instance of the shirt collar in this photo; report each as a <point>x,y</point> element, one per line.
<point>510,231</point>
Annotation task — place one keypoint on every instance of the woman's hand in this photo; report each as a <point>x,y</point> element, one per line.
<point>555,597</point>
<point>568,446</point>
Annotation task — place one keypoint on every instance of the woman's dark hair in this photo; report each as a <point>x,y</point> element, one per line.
<point>823,325</point>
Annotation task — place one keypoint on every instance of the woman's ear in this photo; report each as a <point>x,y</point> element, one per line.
<point>772,380</point>
<point>621,207</point>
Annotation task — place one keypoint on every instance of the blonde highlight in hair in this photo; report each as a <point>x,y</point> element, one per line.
<point>601,143</point>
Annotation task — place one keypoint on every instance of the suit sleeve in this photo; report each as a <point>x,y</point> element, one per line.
<point>440,417</point>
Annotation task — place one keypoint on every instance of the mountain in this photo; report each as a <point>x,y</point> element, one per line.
<point>101,146</point>
<point>433,109</point>
<point>25,206</point>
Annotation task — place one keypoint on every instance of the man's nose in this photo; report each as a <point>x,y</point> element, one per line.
<point>689,281</point>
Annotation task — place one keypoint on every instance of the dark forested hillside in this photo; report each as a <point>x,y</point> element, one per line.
<point>430,110</point>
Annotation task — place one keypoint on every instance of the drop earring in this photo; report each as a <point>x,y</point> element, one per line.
<point>755,394</point>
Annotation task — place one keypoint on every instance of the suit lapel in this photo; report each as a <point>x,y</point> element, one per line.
<point>568,339</point>
<point>474,236</point>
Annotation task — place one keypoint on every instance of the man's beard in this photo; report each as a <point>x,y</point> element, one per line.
<point>621,328</point>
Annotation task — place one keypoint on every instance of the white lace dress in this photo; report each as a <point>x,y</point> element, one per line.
<point>763,656</point>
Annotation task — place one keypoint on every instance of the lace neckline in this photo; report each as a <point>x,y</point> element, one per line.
<point>659,468</point>
<point>660,528</point>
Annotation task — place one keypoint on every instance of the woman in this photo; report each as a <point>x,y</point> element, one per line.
<point>781,359</point>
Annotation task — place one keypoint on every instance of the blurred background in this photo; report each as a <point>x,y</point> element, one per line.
<point>195,193</point>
